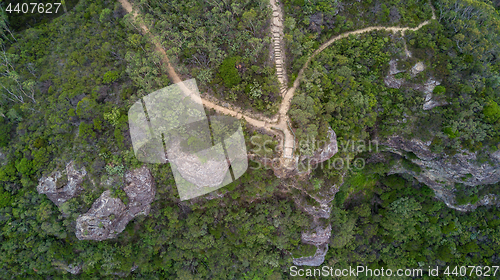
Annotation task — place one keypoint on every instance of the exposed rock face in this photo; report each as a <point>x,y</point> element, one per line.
<point>316,260</point>
<point>496,156</point>
<point>325,152</point>
<point>390,80</point>
<point>209,173</point>
<point>318,237</point>
<point>427,88</point>
<point>2,159</point>
<point>61,191</point>
<point>74,269</point>
<point>140,188</point>
<point>109,216</point>
<point>105,220</point>
<point>71,268</point>
<point>441,172</point>
<point>417,68</point>
<point>304,164</point>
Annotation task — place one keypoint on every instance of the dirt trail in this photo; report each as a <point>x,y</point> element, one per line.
<point>282,122</point>
<point>285,106</point>
<point>176,79</point>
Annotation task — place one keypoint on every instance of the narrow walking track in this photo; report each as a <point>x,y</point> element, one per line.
<point>176,79</point>
<point>282,123</point>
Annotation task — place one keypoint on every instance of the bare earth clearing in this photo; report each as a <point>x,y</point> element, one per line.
<point>279,124</point>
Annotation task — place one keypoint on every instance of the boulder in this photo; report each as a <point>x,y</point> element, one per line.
<point>62,186</point>
<point>417,68</point>
<point>316,260</point>
<point>140,189</point>
<point>109,216</point>
<point>325,152</point>
<point>106,219</point>
<point>71,268</point>
<point>320,236</point>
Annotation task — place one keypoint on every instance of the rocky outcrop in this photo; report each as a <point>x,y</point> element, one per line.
<point>441,172</point>
<point>140,189</point>
<point>417,68</point>
<point>390,80</point>
<point>62,186</point>
<point>321,208</point>
<point>109,216</point>
<point>105,219</point>
<point>319,236</point>
<point>496,156</point>
<point>325,151</point>
<point>71,268</point>
<point>316,260</point>
<point>207,168</point>
<point>427,88</point>
<point>3,160</point>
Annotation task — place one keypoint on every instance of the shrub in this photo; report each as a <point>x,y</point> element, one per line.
<point>491,112</point>
<point>439,90</point>
<point>228,71</point>
<point>110,77</point>
<point>113,117</point>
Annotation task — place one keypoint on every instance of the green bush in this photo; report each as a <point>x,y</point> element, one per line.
<point>110,77</point>
<point>439,90</point>
<point>25,166</point>
<point>491,112</point>
<point>228,71</point>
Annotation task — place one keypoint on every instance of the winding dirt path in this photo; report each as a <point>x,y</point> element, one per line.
<point>176,79</point>
<point>281,123</point>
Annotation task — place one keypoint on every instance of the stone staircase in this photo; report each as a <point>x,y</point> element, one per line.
<point>279,54</point>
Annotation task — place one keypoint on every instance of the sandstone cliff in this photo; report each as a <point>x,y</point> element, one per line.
<point>442,172</point>
<point>109,216</point>
<point>62,186</point>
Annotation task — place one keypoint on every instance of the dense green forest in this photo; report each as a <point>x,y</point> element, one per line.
<point>346,89</point>
<point>310,23</point>
<point>68,81</point>
<point>206,40</point>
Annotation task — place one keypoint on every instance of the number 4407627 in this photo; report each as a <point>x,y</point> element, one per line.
<point>32,8</point>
